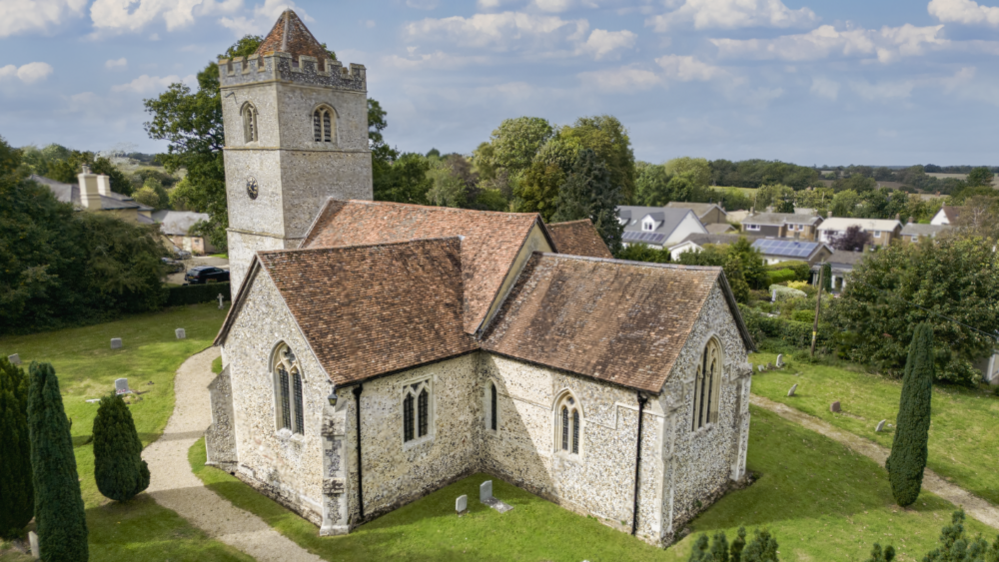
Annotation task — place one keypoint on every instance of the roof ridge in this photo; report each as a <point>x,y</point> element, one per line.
<point>358,246</point>
<point>436,207</point>
<point>569,222</point>
<point>673,266</point>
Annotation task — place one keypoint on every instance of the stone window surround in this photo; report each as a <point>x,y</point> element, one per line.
<point>562,399</point>
<point>716,390</point>
<point>334,123</point>
<point>427,382</point>
<point>487,401</point>
<point>283,432</point>
<point>251,133</point>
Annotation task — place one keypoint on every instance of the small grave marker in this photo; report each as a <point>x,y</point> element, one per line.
<point>759,368</point>
<point>881,426</point>
<point>834,407</point>
<point>780,360</point>
<point>121,386</point>
<point>14,359</point>
<point>461,505</point>
<point>794,387</point>
<point>33,541</point>
<point>181,334</point>
<point>486,497</point>
<point>115,343</point>
<point>221,299</point>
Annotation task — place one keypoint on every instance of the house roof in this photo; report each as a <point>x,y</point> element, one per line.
<point>788,248</point>
<point>778,219</point>
<point>912,229</point>
<point>178,223</point>
<point>617,321</point>
<point>842,260</point>
<point>719,228</point>
<point>668,217</point>
<point>289,35</point>
<point>578,238</point>
<point>700,209</point>
<point>70,193</point>
<point>371,310</point>
<point>491,240</point>
<point>702,239</point>
<point>843,223</point>
<point>953,213</point>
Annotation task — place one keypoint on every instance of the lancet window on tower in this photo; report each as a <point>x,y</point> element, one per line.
<point>706,385</point>
<point>249,113</point>
<point>324,124</point>
<point>289,391</point>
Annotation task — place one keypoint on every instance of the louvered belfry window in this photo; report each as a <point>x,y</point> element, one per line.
<point>323,124</point>
<point>290,390</point>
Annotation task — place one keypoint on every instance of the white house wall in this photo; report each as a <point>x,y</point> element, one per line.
<point>689,225</point>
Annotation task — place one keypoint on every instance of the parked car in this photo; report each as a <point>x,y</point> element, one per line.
<point>182,254</point>
<point>206,274</point>
<point>172,266</point>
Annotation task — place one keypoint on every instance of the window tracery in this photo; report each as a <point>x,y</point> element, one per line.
<point>417,411</point>
<point>569,434</point>
<point>324,124</point>
<point>289,390</point>
<point>706,385</point>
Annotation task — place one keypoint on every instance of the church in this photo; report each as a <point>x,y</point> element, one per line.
<point>375,352</point>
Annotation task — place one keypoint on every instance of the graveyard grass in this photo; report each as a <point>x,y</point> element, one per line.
<point>821,500</point>
<point>87,368</point>
<point>962,438</point>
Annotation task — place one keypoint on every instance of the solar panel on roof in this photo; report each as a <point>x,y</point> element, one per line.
<point>787,248</point>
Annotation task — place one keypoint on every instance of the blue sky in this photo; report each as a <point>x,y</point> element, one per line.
<point>808,81</point>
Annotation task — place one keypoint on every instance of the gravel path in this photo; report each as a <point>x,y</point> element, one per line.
<point>973,505</point>
<point>175,487</point>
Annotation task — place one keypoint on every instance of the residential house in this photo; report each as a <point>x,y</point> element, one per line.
<point>708,213</point>
<point>176,226</point>
<point>719,239</point>
<point>686,246</point>
<point>782,225</point>
<point>912,232</point>
<point>719,228</point>
<point>776,250</point>
<point>659,227</point>
<point>93,193</point>
<point>948,215</point>
<point>882,231</point>
<point>841,265</point>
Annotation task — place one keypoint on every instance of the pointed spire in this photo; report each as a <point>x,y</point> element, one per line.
<point>289,35</point>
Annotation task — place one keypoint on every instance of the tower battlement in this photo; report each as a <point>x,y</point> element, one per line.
<point>303,69</point>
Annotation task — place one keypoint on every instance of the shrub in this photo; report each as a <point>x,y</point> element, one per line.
<point>118,466</point>
<point>196,294</point>
<point>782,276</point>
<point>59,514</point>
<point>17,502</point>
<point>802,271</point>
<point>954,546</point>
<point>763,548</point>
<point>806,316</point>
<point>773,334</point>
<point>908,450</point>
<point>786,292</point>
<point>643,252</point>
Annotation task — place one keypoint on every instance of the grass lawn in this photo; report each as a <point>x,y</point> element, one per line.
<point>962,444</point>
<point>822,501</point>
<point>87,368</point>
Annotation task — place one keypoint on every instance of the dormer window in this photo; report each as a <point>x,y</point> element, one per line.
<point>649,224</point>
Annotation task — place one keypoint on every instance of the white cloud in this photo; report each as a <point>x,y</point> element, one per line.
<point>422,4</point>
<point>18,16</point>
<point>603,43</point>
<point>688,69</point>
<point>825,88</point>
<point>120,16</point>
<point>733,14</point>
<point>264,17</point>
<point>883,91</point>
<point>435,60</point>
<point>621,80</point>
<point>147,84</point>
<point>28,73</point>
<point>888,44</point>
<point>119,64</point>
<point>965,12</point>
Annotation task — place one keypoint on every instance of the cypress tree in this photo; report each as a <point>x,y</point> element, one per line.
<point>118,466</point>
<point>59,512</point>
<point>909,448</point>
<point>735,551</point>
<point>17,502</point>
<point>877,555</point>
<point>763,548</point>
<point>826,277</point>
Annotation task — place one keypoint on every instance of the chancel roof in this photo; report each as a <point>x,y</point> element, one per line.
<point>289,35</point>
<point>579,238</point>
<point>491,241</point>
<point>618,321</point>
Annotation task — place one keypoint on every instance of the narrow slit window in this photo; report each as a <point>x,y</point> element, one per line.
<point>423,401</point>
<point>285,405</point>
<point>492,408</point>
<point>299,407</point>
<point>407,418</point>
<point>575,432</point>
<point>565,428</point>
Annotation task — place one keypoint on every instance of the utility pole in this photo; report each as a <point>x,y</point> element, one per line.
<point>818,302</point>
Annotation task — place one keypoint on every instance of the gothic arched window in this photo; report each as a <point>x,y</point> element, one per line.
<point>569,431</point>
<point>249,114</point>
<point>324,124</point>
<point>288,389</point>
<point>706,385</point>
<point>417,411</point>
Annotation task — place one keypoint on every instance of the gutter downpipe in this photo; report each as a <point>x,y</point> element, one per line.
<point>360,478</point>
<point>642,399</point>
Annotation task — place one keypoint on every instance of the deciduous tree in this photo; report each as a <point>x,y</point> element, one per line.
<point>853,239</point>
<point>588,192</point>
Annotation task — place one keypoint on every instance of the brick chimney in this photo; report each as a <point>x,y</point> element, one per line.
<point>90,196</point>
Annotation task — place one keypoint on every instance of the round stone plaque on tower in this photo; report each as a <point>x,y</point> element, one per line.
<point>252,189</point>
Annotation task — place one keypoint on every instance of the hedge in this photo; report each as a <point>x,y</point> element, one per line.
<point>802,271</point>
<point>195,294</point>
<point>782,276</point>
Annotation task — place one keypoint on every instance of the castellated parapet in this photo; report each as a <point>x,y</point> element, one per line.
<point>302,69</point>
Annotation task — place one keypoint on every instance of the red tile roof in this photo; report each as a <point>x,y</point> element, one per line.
<point>289,35</point>
<point>490,242</point>
<point>370,310</point>
<point>579,238</point>
<point>617,321</point>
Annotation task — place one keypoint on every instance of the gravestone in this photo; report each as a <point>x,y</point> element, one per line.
<point>760,368</point>
<point>33,541</point>
<point>181,334</point>
<point>461,505</point>
<point>790,393</point>
<point>115,343</point>
<point>773,297</point>
<point>834,407</point>
<point>221,299</point>
<point>121,386</point>
<point>14,359</point>
<point>486,491</point>
<point>881,426</point>
<point>770,366</point>
<point>780,360</point>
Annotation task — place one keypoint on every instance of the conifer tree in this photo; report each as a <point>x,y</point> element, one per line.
<point>877,555</point>
<point>909,448</point>
<point>738,545</point>
<point>763,548</point>
<point>118,466</point>
<point>59,513</point>
<point>827,277</point>
<point>17,502</point>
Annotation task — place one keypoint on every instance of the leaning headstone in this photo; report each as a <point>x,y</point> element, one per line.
<point>881,426</point>
<point>115,343</point>
<point>461,505</point>
<point>33,541</point>
<point>794,387</point>
<point>486,491</point>
<point>181,334</point>
<point>121,386</point>
<point>780,360</point>
<point>834,407</point>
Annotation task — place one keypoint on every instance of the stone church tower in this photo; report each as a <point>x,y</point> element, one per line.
<point>296,134</point>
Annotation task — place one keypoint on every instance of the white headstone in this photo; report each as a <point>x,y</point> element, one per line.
<point>759,368</point>
<point>181,334</point>
<point>794,387</point>
<point>486,491</point>
<point>33,541</point>
<point>881,425</point>
<point>115,343</point>
<point>773,297</point>
<point>461,505</point>
<point>780,360</point>
<point>14,359</point>
<point>121,386</point>
<point>221,298</point>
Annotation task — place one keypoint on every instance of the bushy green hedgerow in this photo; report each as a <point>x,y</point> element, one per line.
<point>782,276</point>
<point>196,294</point>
